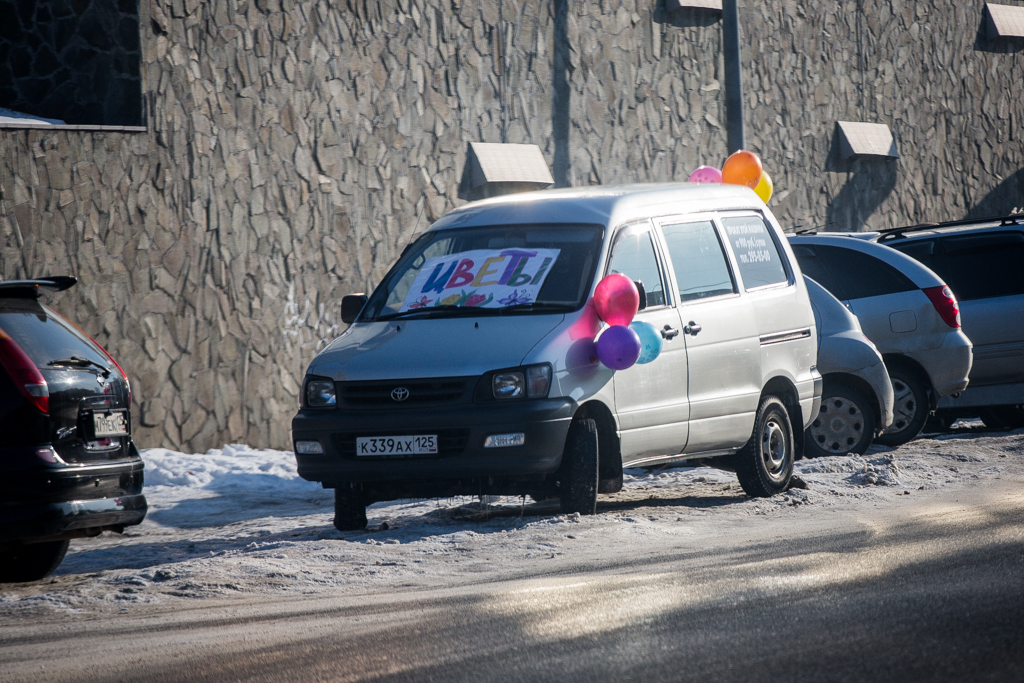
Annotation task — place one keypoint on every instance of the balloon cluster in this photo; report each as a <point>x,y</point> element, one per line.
<point>624,342</point>
<point>741,168</point>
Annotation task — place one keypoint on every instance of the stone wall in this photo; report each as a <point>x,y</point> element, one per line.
<point>74,60</point>
<point>294,146</point>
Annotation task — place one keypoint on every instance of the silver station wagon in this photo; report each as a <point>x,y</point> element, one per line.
<point>481,364</point>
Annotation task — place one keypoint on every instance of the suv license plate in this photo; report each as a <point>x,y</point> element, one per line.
<point>109,424</point>
<point>396,445</point>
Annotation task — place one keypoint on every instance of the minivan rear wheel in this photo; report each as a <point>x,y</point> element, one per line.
<point>577,479</point>
<point>765,465</point>
<point>349,509</point>
<point>31,561</point>
<point>910,409</point>
<point>844,424</point>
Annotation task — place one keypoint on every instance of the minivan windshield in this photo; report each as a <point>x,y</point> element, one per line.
<point>492,270</point>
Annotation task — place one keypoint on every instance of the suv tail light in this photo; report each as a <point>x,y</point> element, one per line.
<point>24,373</point>
<point>945,303</point>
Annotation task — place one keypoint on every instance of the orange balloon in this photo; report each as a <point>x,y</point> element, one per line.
<point>742,168</point>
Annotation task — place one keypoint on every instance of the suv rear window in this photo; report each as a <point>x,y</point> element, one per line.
<point>850,274</point>
<point>982,266</point>
<point>43,335</point>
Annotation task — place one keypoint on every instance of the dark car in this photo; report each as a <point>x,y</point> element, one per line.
<point>982,260</point>
<point>68,467</point>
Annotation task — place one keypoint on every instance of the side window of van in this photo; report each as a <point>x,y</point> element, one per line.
<point>757,254</point>
<point>698,260</point>
<point>633,255</point>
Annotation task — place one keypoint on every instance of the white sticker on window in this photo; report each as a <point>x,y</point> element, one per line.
<point>485,278</point>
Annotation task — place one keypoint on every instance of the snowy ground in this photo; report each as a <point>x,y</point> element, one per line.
<point>238,522</point>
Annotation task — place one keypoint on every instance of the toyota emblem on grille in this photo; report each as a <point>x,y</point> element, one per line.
<point>399,393</point>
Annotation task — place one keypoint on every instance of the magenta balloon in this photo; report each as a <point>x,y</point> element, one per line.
<point>616,299</point>
<point>706,174</point>
<point>618,347</point>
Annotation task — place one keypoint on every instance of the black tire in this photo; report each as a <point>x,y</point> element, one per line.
<point>577,479</point>
<point>844,424</point>
<point>765,465</point>
<point>1003,417</point>
<point>349,509</point>
<point>910,410</point>
<point>31,561</point>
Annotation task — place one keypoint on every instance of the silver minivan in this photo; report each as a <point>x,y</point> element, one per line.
<point>473,368</point>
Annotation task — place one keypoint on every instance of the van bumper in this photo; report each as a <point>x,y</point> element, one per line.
<point>461,431</point>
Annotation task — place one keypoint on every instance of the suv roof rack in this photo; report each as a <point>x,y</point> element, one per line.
<point>33,288</point>
<point>890,234</point>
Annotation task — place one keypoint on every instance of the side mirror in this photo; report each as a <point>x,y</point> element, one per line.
<point>351,307</point>
<point>643,294</point>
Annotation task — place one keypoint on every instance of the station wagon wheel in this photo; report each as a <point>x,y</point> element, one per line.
<point>31,561</point>
<point>765,465</point>
<point>845,423</point>
<point>910,409</point>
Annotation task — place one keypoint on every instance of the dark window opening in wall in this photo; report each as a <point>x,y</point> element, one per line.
<point>73,60</point>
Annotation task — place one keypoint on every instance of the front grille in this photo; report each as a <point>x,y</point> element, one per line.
<point>449,442</point>
<point>419,392</point>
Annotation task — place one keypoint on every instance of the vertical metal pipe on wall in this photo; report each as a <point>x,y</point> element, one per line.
<point>733,76</point>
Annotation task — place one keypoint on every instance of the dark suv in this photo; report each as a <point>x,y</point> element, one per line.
<point>982,260</point>
<point>68,467</point>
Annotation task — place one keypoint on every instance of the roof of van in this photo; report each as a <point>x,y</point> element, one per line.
<point>601,204</point>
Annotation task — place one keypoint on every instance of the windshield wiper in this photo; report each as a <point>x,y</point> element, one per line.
<point>447,308</point>
<point>79,362</point>
<point>539,306</point>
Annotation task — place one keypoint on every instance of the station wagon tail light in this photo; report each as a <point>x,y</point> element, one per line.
<point>945,303</point>
<point>24,373</point>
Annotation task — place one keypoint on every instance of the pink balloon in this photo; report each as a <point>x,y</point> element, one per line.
<point>616,299</point>
<point>618,347</point>
<point>706,174</point>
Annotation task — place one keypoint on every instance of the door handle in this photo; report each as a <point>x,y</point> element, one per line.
<point>669,332</point>
<point>693,328</point>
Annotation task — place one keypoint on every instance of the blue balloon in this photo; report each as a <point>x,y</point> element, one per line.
<point>650,341</point>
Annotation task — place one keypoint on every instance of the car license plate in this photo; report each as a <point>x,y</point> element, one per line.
<point>396,445</point>
<point>109,424</point>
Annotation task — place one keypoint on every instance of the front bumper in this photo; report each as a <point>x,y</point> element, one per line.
<point>56,501</point>
<point>461,429</point>
<point>877,378</point>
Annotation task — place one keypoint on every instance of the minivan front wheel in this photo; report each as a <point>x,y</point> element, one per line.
<point>349,509</point>
<point>765,465</point>
<point>910,410</point>
<point>577,479</point>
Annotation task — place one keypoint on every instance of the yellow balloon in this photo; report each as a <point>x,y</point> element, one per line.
<point>765,188</point>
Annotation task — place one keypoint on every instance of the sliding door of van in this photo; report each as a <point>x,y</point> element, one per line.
<point>721,335</point>
<point>650,398</point>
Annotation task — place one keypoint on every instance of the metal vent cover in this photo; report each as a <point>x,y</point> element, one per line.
<point>673,5</point>
<point>1003,21</point>
<point>866,139</point>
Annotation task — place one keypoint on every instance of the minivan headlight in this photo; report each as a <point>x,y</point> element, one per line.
<point>508,385</point>
<point>320,393</point>
<point>532,381</point>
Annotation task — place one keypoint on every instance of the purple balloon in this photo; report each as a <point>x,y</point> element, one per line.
<point>618,347</point>
<point>706,174</point>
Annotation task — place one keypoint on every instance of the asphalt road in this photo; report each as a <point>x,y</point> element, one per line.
<point>928,591</point>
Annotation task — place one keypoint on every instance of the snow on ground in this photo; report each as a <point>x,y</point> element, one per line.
<point>238,522</point>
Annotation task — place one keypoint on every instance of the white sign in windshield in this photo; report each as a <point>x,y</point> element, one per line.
<point>485,278</point>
